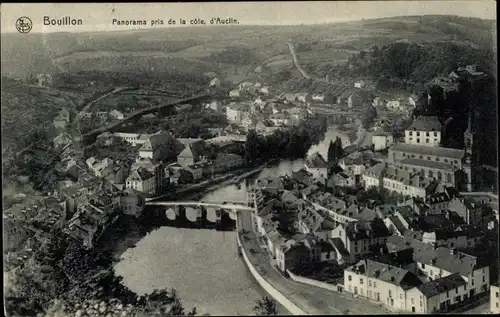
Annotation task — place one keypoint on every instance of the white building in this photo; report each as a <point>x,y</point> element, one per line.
<point>360,84</point>
<point>235,93</point>
<point>318,97</point>
<point>382,140</point>
<point>280,119</point>
<point>235,112</point>
<point>115,114</point>
<point>100,168</point>
<point>425,130</point>
<point>132,138</point>
<point>495,299</point>
<point>141,180</point>
<point>317,166</point>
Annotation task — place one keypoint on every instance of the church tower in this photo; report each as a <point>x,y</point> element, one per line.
<point>470,157</point>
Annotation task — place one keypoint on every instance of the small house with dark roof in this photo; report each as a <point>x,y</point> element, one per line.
<point>359,238</point>
<point>317,166</point>
<point>439,295</point>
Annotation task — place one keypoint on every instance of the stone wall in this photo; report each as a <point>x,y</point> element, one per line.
<point>280,298</point>
<point>305,280</point>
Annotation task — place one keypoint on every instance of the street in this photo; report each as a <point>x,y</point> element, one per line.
<point>311,299</point>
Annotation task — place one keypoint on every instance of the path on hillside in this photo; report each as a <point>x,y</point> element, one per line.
<point>296,61</point>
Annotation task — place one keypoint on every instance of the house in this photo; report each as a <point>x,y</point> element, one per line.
<point>358,97</point>
<point>380,282</point>
<point>264,90</point>
<point>235,93</point>
<point>214,105</point>
<point>468,237</point>
<point>413,100</point>
<point>266,213</point>
<point>411,184</point>
<point>293,256</point>
<point>373,176</point>
<point>131,201</point>
<point>382,140</point>
<point>235,112</point>
<point>315,222</point>
<point>356,163</point>
<point>473,213</point>
<point>302,97</point>
<point>318,97</point>
<point>62,140</point>
<point>425,130</point>
<point>161,146</point>
<point>440,262</point>
<point>437,295</point>
<point>193,151</point>
<point>359,84</point>
<point>62,120</point>
<point>280,119</point>
<point>342,179</point>
<point>100,168</point>
<point>495,299</point>
<point>132,138</point>
<point>360,238</point>
<point>141,180</point>
<point>317,166</point>
<point>115,114</point>
<point>87,225</point>
<point>215,82</point>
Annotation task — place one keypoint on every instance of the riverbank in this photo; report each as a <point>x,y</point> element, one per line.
<point>209,185</point>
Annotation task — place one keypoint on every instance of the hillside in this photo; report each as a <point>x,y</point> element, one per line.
<point>36,53</point>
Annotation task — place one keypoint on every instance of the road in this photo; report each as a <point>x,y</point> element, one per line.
<point>296,61</point>
<point>311,299</point>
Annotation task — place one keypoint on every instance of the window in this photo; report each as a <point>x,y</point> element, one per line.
<point>423,266</point>
<point>361,281</point>
<point>456,290</point>
<point>428,158</point>
<point>426,140</point>
<point>374,284</point>
<point>447,294</point>
<point>370,285</point>
<point>410,133</point>
<point>497,294</point>
<point>418,133</point>
<point>427,133</point>
<point>349,278</point>
<point>435,134</point>
<point>412,301</point>
<point>390,293</point>
<point>418,140</point>
<point>484,279</point>
<point>465,288</point>
<point>421,305</point>
<point>431,273</point>
<point>400,296</point>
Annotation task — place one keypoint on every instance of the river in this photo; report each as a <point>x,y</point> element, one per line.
<point>203,265</point>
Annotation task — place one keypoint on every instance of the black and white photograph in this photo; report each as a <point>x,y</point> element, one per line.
<point>249,158</point>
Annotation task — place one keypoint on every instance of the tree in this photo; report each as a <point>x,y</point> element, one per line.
<point>265,307</point>
<point>332,152</point>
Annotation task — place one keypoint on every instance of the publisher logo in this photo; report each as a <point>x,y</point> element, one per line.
<point>24,25</point>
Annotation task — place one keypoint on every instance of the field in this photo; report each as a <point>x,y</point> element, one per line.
<point>176,59</point>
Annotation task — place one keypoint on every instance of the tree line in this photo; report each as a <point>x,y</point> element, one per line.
<point>292,143</point>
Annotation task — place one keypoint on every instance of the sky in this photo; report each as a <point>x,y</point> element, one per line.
<point>99,16</point>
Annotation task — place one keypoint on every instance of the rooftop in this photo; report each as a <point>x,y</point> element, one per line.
<point>441,285</point>
<point>427,163</point>
<point>426,123</point>
<point>428,150</point>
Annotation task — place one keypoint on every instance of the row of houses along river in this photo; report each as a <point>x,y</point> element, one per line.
<point>203,265</point>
